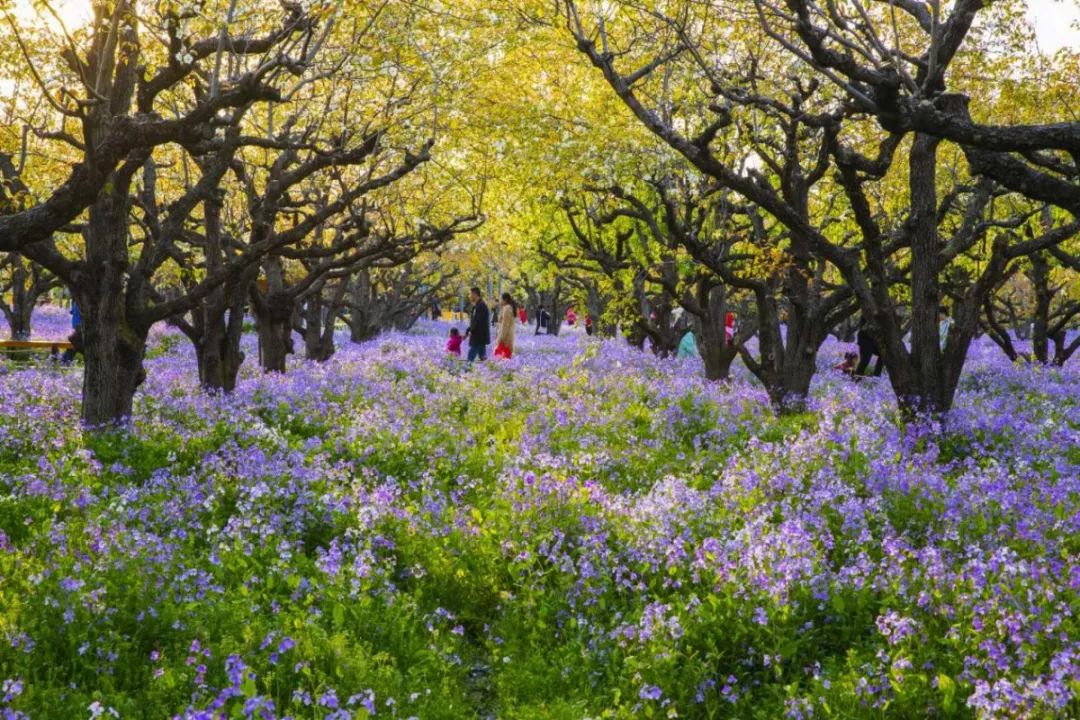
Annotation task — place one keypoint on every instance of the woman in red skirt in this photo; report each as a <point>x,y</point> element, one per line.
<point>504,340</point>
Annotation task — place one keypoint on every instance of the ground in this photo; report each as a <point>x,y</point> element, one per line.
<point>583,531</point>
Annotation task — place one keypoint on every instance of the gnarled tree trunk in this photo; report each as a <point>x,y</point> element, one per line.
<point>320,315</point>
<point>716,352</point>
<point>362,324</point>
<point>114,343</point>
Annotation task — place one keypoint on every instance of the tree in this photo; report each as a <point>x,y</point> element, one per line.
<point>1036,304</point>
<point>277,305</point>
<point>114,98</point>
<point>380,299</point>
<point>818,152</point>
<point>128,81</point>
<point>901,80</point>
<point>697,265</point>
<point>25,281</point>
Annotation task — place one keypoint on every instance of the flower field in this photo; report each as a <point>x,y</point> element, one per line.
<point>583,531</point>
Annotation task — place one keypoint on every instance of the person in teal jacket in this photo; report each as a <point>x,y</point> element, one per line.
<point>688,346</point>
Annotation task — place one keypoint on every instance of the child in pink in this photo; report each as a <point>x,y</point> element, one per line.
<point>453,345</point>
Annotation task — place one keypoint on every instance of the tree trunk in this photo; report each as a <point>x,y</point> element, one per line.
<point>275,338</point>
<point>1040,281</point>
<point>114,355</point>
<point>716,352</point>
<point>997,332</point>
<point>22,304</point>
<point>273,322</point>
<point>320,316</point>
<point>28,283</point>
<point>925,378</point>
<point>362,326</point>
<point>273,310</point>
<point>1064,350</point>
<point>597,305</point>
<point>114,346</point>
<point>555,323</point>
<point>219,320</point>
<point>218,352</point>
<point>788,351</point>
<point>314,348</point>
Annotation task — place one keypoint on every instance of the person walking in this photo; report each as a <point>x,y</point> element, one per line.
<point>76,337</point>
<point>688,345</point>
<point>868,349</point>
<point>504,340</point>
<point>479,332</point>
<point>944,325</point>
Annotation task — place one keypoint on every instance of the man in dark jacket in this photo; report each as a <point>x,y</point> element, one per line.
<point>479,332</point>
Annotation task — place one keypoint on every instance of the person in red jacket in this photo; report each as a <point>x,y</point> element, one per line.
<point>453,345</point>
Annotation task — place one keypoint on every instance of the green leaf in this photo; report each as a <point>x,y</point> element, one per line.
<point>947,686</point>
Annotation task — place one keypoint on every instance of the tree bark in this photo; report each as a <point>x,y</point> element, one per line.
<point>787,349</point>
<point>716,352</point>
<point>114,342</point>
<point>1040,280</point>
<point>22,306</point>
<point>555,323</point>
<point>218,351</point>
<point>320,316</point>
<point>362,326</point>
<point>29,282</point>
<point>275,337</point>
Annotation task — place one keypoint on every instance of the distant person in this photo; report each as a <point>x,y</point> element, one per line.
<point>76,336</point>
<point>453,345</point>
<point>847,366</point>
<point>688,346</point>
<point>545,319</point>
<point>945,324</point>
<point>479,332</point>
<point>729,328</point>
<point>504,341</point>
<point>571,316</point>
<point>589,329</point>
<point>523,316</point>
<point>868,348</point>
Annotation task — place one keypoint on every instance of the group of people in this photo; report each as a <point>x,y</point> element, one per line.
<point>478,334</point>
<point>856,364</point>
<point>688,344</point>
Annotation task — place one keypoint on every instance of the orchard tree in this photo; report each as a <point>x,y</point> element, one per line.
<point>848,223</point>
<point>682,216</point>
<point>393,298</point>
<point>24,281</point>
<point>128,89</point>
<point>1037,303</point>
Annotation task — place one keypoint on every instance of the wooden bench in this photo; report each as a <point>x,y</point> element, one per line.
<point>26,347</point>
